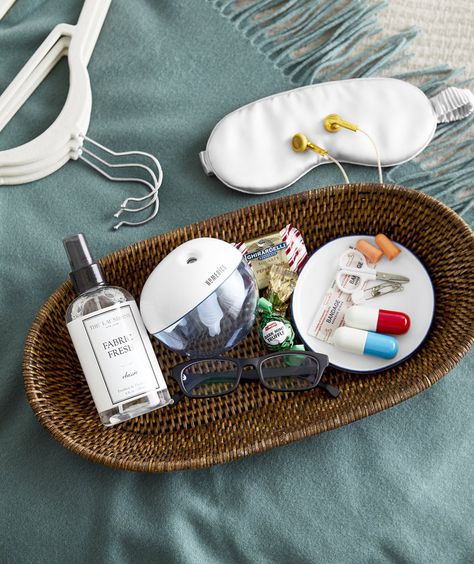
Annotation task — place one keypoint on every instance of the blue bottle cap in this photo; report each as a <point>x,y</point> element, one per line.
<point>383,346</point>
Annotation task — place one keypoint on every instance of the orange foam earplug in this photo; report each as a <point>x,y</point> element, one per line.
<point>370,252</point>
<point>390,250</point>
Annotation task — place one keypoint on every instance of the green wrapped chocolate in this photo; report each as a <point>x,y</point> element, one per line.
<point>275,331</point>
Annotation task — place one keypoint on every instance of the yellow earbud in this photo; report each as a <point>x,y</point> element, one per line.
<point>333,123</point>
<point>300,143</point>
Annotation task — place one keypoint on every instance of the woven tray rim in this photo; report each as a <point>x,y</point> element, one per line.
<point>362,411</point>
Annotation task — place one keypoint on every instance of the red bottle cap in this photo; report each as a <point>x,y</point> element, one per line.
<point>392,322</point>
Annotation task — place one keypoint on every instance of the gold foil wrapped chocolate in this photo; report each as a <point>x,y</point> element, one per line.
<point>281,283</point>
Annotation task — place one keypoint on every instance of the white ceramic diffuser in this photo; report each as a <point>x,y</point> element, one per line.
<point>200,300</point>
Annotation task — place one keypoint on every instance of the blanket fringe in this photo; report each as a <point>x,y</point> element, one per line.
<point>445,169</point>
<point>446,166</point>
<point>317,41</point>
<point>314,41</point>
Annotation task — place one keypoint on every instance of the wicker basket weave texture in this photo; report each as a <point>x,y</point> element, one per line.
<point>199,433</point>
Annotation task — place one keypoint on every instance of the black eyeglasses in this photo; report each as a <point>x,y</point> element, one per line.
<point>291,371</point>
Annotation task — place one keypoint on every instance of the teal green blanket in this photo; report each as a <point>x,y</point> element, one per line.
<point>396,487</point>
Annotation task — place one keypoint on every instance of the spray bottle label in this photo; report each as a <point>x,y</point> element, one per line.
<point>116,355</point>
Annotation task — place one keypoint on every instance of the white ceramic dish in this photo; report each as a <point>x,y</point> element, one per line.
<point>417,300</point>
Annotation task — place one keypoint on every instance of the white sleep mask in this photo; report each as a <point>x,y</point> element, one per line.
<point>250,150</point>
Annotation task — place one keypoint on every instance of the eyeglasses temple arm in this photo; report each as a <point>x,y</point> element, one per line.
<point>177,398</point>
<point>331,390</point>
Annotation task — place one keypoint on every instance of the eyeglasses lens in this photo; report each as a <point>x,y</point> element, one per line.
<point>290,372</point>
<point>207,378</point>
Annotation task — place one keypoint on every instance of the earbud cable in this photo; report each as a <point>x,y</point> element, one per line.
<point>333,123</point>
<point>338,164</point>
<point>379,164</point>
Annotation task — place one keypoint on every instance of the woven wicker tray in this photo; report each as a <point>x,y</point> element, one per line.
<point>198,433</point>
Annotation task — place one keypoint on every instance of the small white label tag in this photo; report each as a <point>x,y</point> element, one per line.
<point>275,333</point>
<point>116,355</point>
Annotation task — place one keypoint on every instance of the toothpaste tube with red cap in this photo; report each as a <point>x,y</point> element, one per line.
<point>378,320</point>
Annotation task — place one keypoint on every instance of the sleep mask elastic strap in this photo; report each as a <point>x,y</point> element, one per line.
<point>453,104</point>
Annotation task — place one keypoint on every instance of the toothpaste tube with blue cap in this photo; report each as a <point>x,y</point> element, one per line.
<point>365,342</point>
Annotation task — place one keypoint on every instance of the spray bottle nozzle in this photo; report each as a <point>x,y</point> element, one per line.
<point>85,272</point>
<point>77,251</point>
